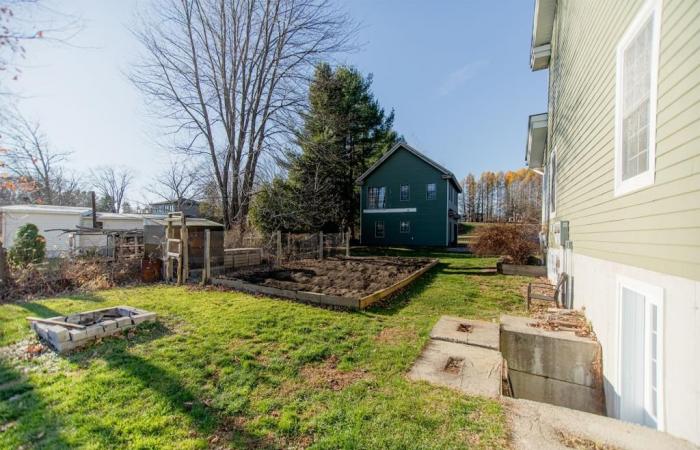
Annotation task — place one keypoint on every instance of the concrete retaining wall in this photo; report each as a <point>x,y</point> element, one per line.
<point>555,367</point>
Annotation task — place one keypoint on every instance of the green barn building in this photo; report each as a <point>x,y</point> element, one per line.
<point>408,199</point>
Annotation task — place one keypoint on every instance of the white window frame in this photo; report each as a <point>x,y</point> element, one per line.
<point>377,222</point>
<point>653,295</point>
<point>552,200</point>
<point>652,8</point>
<point>427,191</point>
<point>408,190</point>
<point>378,197</point>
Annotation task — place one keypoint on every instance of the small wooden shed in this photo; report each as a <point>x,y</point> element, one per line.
<point>163,238</point>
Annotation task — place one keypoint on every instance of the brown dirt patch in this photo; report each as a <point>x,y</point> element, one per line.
<point>346,277</point>
<point>579,443</point>
<point>328,376</point>
<point>454,365</point>
<point>395,335</point>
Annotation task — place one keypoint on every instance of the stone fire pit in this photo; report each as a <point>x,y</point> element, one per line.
<point>82,328</point>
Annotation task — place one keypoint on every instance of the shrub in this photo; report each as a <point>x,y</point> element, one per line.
<point>516,241</point>
<point>29,246</point>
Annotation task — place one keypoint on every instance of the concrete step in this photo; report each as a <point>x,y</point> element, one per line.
<point>469,369</point>
<point>470,332</point>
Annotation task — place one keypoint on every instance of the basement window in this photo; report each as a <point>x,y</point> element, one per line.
<point>635,104</point>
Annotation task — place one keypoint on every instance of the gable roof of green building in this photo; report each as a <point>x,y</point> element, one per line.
<point>446,174</point>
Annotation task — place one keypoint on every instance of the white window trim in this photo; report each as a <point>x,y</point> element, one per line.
<point>552,179</point>
<point>409,192</point>
<point>427,197</point>
<point>652,295</point>
<point>622,187</point>
<point>376,222</point>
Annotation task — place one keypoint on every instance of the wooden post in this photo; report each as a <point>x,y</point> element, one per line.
<point>168,266</point>
<point>347,244</point>
<point>94,209</point>
<point>179,250</point>
<point>206,270</point>
<point>185,250</point>
<point>279,247</point>
<point>320,245</point>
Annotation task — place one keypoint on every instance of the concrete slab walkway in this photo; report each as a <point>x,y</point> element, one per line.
<point>541,426</point>
<point>469,332</point>
<point>469,369</point>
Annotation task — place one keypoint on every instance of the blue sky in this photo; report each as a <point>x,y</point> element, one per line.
<point>455,72</point>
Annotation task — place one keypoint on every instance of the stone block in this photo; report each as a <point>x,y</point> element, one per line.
<point>57,333</point>
<point>123,322</point>
<point>77,335</point>
<point>109,325</point>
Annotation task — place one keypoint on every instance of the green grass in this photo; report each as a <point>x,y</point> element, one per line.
<point>229,369</point>
<point>467,232</point>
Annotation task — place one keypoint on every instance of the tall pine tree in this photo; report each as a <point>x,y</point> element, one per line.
<point>344,132</point>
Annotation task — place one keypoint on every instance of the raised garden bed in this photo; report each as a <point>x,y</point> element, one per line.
<point>65,333</point>
<point>353,283</point>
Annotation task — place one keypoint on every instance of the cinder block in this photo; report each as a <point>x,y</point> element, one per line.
<point>56,333</point>
<point>147,317</point>
<point>123,322</point>
<point>95,331</point>
<point>109,325</point>
<point>77,335</point>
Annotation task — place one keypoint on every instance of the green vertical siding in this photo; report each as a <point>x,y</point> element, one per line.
<point>428,223</point>
<point>657,227</point>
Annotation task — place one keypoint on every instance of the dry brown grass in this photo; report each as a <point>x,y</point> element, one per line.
<point>328,376</point>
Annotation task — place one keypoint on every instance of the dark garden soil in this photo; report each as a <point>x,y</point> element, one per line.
<point>346,277</point>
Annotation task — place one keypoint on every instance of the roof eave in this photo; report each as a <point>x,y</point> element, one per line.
<point>536,140</point>
<point>446,173</point>
<point>542,27</point>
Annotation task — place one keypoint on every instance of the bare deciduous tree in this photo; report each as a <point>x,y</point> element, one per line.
<point>230,75</point>
<point>112,184</point>
<point>181,181</point>
<point>28,158</point>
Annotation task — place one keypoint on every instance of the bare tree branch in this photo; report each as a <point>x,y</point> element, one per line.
<point>112,184</point>
<point>228,76</point>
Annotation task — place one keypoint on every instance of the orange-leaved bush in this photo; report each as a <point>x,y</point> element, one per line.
<point>516,241</point>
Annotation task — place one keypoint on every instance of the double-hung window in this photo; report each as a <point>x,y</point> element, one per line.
<point>376,197</point>
<point>404,227</point>
<point>635,105</point>
<point>430,191</point>
<point>405,193</point>
<point>379,229</point>
<point>553,184</point>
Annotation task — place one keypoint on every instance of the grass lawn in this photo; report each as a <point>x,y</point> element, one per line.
<point>226,369</point>
<point>467,232</point>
